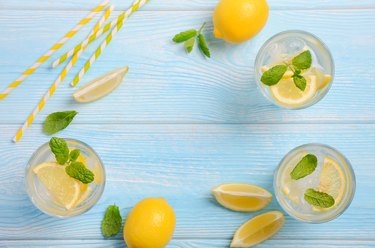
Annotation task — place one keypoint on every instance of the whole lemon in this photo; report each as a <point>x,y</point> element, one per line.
<point>150,224</point>
<point>236,21</point>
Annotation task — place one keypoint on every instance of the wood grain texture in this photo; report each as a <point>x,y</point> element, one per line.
<point>187,243</point>
<point>165,85</point>
<point>182,163</point>
<point>173,5</point>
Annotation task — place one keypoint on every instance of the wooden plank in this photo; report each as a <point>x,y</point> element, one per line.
<point>165,85</point>
<point>181,5</point>
<point>215,243</point>
<point>182,163</point>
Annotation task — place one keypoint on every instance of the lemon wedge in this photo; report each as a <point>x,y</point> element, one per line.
<point>322,79</point>
<point>332,181</point>
<point>286,93</point>
<point>101,86</point>
<point>242,197</point>
<point>64,189</point>
<point>258,229</point>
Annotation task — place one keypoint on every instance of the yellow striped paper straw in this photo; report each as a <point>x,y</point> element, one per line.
<point>61,77</point>
<point>53,49</point>
<point>136,5</point>
<point>90,39</point>
<point>83,46</point>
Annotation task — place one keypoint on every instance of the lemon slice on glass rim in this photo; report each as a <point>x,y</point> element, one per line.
<point>101,86</point>
<point>242,197</point>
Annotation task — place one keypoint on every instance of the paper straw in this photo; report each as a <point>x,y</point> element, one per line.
<point>90,39</point>
<point>53,49</point>
<point>94,31</point>
<point>136,5</point>
<point>61,77</point>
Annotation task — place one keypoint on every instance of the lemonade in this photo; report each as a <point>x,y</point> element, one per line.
<point>299,56</point>
<point>314,183</point>
<point>56,193</point>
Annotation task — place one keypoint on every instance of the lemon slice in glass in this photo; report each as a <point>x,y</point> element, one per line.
<point>258,229</point>
<point>101,86</point>
<point>322,79</point>
<point>332,181</point>
<point>286,93</point>
<point>64,189</point>
<point>242,197</point>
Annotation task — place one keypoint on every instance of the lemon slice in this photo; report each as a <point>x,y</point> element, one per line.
<point>258,229</point>
<point>64,189</point>
<point>287,74</point>
<point>242,197</point>
<point>332,181</point>
<point>101,86</point>
<point>286,93</point>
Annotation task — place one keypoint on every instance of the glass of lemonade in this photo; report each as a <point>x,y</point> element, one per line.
<point>280,50</point>
<point>302,192</point>
<point>53,191</point>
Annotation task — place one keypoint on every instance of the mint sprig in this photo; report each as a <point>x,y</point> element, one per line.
<point>305,167</point>
<point>58,121</point>
<point>319,199</point>
<point>299,63</point>
<point>189,38</point>
<point>74,169</point>
<point>60,149</point>
<point>112,221</point>
<point>79,171</point>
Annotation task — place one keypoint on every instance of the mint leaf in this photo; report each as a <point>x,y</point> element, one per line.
<point>112,221</point>
<point>60,149</point>
<point>304,167</point>
<point>203,46</point>
<point>184,36</point>
<point>273,75</point>
<point>189,44</point>
<point>58,121</point>
<point>319,199</point>
<point>302,61</point>
<point>300,82</point>
<point>79,171</point>
<point>74,154</point>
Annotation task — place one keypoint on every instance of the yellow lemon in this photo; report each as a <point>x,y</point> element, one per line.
<point>236,21</point>
<point>258,229</point>
<point>150,224</point>
<point>242,197</point>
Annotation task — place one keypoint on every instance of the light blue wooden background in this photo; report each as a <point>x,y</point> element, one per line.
<point>181,124</point>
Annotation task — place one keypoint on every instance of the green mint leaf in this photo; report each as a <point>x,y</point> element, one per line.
<point>184,36</point>
<point>302,61</point>
<point>273,75</point>
<point>79,171</point>
<point>189,44</point>
<point>74,154</point>
<point>112,221</point>
<point>59,147</point>
<point>319,199</point>
<point>58,121</point>
<point>300,82</point>
<point>203,45</point>
<point>305,167</point>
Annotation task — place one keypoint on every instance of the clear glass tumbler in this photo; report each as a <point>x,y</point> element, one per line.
<point>332,167</point>
<point>40,196</point>
<point>283,47</point>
